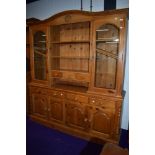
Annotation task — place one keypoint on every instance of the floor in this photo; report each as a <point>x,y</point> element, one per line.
<point>41,140</point>
<point>45,141</point>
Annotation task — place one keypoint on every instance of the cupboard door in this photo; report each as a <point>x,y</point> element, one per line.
<point>102,121</point>
<point>107,43</point>
<point>39,54</point>
<point>39,105</point>
<point>56,109</point>
<point>75,115</point>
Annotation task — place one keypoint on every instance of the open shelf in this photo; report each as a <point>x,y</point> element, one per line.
<point>108,41</point>
<point>71,32</point>
<point>71,70</point>
<point>70,53</point>
<point>67,87</point>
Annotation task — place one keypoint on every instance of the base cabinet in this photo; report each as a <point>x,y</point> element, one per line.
<point>85,113</point>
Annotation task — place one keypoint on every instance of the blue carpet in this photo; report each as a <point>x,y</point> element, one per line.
<point>41,140</point>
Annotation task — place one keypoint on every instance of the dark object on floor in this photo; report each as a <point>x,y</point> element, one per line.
<point>41,140</point>
<point>124,139</point>
<point>112,149</point>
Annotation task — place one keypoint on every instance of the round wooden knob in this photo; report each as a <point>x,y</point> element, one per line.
<point>85,120</point>
<point>93,101</point>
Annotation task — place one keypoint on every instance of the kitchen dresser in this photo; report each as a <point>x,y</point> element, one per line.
<point>77,68</point>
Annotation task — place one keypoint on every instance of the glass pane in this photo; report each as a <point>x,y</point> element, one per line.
<point>39,67</point>
<point>107,43</point>
<point>40,55</point>
<point>40,42</point>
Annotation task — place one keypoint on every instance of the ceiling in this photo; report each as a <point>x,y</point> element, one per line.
<point>30,1</point>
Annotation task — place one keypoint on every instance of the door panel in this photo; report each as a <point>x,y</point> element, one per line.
<point>56,109</point>
<point>75,115</point>
<point>39,105</point>
<point>103,121</point>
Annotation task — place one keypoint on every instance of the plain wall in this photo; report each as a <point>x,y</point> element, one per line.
<point>43,9</point>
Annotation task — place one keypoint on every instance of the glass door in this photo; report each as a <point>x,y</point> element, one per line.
<point>107,46</point>
<point>40,54</point>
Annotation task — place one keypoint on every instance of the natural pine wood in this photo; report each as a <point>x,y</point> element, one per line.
<point>78,87</point>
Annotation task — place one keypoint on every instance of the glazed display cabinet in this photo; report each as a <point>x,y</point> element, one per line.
<point>77,70</point>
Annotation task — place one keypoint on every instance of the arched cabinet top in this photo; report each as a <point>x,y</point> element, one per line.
<point>71,16</point>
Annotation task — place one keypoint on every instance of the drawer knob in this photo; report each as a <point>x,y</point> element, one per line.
<point>93,101</point>
<point>61,94</point>
<point>85,120</point>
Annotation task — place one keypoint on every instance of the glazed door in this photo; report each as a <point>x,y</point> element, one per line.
<point>107,55</point>
<point>107,43</point>
<point>39,55</point>
<point>39,105</point>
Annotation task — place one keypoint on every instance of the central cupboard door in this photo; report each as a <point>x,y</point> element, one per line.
<point>75,115</point>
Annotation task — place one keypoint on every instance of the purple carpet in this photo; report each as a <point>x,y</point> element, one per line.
<point>41,140</point>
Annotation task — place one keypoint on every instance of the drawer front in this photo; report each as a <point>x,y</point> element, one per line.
<point>57,94</point>
<point>38,90</point>
<point>56,74</point>
<point>77,98</point>
<point>102,103</point>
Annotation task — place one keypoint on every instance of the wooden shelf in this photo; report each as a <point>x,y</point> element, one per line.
<point>40,49</point>
<point>70,42</point>
<point>81,89</point>
<point>65,57</point>
<point>107,53</point>
<point>40,53</point>
<point>70,70</point>
<point>108,41</point>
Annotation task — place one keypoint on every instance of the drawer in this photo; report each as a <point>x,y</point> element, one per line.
<point>73,76</point>
<point>57,94</point>
<point>77,97</point>
<point>107,104</point>
<point>38,90</point>
<point>56,74</point>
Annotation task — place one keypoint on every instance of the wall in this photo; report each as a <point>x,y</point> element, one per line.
<point>46,8</point>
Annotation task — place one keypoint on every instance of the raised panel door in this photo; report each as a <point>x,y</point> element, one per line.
<point>102,122</point>
<point>39,105</point>
<point>56,109</point>
<point>75,115</point>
